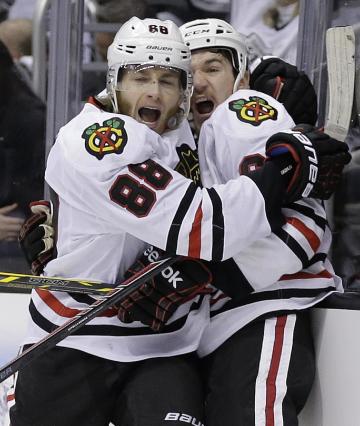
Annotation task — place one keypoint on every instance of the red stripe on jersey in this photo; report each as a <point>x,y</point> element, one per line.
<point>306,275</point>
<point>64,311</point>
<point>10,397</point>
<point>310,235</point>
<point>273,371</point>
<point>195,235</point>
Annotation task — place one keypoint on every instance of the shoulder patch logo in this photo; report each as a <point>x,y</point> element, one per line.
<point>253,111</point>
<point>108,138</point>
<point>188,165</point>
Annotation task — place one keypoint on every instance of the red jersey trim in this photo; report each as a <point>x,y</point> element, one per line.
<point>273,371</point>
<point>64,311</point>
<point>306,275</point>
<point>310,235</point>
<point>195,235</point>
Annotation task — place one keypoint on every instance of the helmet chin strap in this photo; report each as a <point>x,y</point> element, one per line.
<point>238,79</point>
<point>114,102</point>
<point>181,114</point>
<point>237,83</point>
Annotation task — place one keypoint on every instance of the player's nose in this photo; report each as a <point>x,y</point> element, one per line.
<point>199,81</point>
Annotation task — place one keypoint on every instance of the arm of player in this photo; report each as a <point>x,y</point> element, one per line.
<point>300,241</point>
<point>259,268</point>
<point>149,200</point>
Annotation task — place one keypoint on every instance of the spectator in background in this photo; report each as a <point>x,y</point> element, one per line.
<point>218,7</point>
<point>22,149</point>
<point>16,34</point>
<point>21,9</point>
<point>271,26</point>
<point>113,11</point>
<point>4,9</point>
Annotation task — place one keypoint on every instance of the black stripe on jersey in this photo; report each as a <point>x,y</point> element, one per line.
<point>218,225</point>
<point>318,257</point>
<point>173,235</point>
<point>109,330</point>
<point>294,246</point>
<point>274,295</point>
<point>82,298</point>
<point>310,213</point>
<point>228,278</point>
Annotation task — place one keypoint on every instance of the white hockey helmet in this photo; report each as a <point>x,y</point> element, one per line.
<point>149,42</point>
<point>215,33</point>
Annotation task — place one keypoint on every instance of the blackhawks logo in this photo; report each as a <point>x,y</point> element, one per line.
<point>188,165</point>
<point>253,111</point>
<point>108,138</point>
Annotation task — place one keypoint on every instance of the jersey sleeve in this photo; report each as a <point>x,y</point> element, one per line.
<point>291,249</point>
<point>110,170</point>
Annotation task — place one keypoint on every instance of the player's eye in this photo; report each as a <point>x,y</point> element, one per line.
<point>141,79</point>
<point>167,82</point>
<point>213,70</point>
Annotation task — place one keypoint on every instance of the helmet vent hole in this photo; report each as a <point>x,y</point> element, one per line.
<point>208,40</point>
<point>151,57</point>
<point>167,59</point>
<point>219,31</point>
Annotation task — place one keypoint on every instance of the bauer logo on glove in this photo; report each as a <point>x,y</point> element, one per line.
<point>317,160</point>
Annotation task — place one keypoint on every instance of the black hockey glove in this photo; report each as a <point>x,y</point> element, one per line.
<point>311,162</point>
<point>289,86</point>
<point>36,236</point>
<point>156,300</point>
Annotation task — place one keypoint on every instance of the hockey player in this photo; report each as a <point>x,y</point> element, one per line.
<point>114,177</point>
<point>116,196</point>
<point>257,349</point>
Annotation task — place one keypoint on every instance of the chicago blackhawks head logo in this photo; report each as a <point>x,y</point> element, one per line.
<point>188,165</point>
<point>108,138</point>
<point>253,111</point>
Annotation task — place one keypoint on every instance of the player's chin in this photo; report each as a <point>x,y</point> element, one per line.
<point>158,126</point>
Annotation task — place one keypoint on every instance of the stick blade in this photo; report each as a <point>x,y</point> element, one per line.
<point>340,52</point>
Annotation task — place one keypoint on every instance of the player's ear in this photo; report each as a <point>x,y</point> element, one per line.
<point>244,82</point>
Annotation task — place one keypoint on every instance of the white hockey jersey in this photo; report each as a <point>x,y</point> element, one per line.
<point>117,190</point>
<point>288,270</point>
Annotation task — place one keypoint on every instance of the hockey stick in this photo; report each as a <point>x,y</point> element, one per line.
<point>119,293</point>
<point>28,282</point>
<point>340,54</point>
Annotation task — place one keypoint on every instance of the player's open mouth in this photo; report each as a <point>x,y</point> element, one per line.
<point>204,107</point>
<point>149,115</point>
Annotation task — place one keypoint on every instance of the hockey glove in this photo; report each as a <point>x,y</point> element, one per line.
<point>36,236</point>
<point>289,86</point>
<point>156,301</point>
<point>310,161</point>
